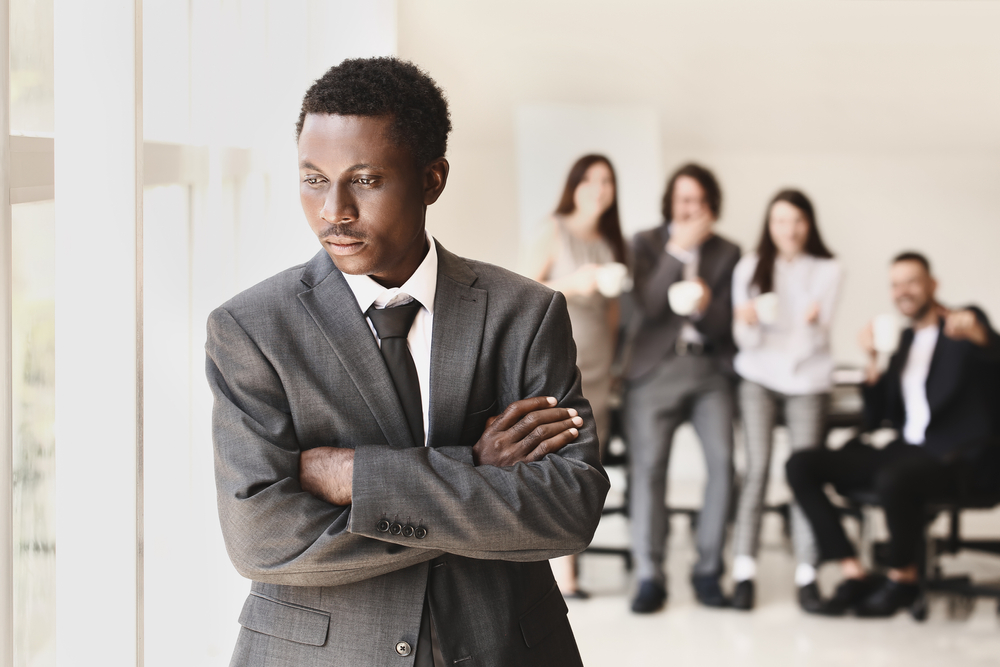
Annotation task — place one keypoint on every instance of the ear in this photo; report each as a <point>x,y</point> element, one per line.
<point>435,178</point>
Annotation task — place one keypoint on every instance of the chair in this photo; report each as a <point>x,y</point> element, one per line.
<point>962,592</point>
<point>613,458</point>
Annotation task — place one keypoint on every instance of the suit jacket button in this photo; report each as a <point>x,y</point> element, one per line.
<point>395,529</point>
<point>420,532</point>
<point>403,648</point>
<point>407,530</point>
<point>382,526</point>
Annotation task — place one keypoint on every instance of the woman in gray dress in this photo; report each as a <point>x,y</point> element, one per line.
<point>580,252</point>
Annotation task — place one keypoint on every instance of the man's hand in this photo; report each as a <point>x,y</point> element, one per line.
<point>964,325</point>
<point>526,431</point>
<point>328,473</point>
<point>686,235</point>
<point>706,297</point>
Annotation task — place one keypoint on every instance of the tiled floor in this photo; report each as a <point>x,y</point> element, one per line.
<point>776,633</point>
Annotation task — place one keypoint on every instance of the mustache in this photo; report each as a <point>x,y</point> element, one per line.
<point>342,231</point>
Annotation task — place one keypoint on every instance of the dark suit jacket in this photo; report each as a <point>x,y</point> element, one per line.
<point>293,365</point>
<point>655,271</point>
<point>963,392</point>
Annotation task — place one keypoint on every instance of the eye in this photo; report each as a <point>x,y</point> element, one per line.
<point>313,180</point>
<point>365,180</point>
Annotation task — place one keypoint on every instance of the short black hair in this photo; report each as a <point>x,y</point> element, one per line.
<point>385,86</point>
<point>706,179</point>
<point>913,256</point>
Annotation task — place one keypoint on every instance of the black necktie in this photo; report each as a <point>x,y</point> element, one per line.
<point>392,326</point>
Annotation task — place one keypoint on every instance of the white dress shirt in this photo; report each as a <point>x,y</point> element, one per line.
<point>789,356</point>
<point>422,286</point>
<point>914,381</point>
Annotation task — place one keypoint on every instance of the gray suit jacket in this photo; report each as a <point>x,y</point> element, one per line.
<point>655,271</point>
<point>293,365</point>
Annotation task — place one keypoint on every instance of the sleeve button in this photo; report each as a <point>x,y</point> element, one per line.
<point>382,526</point>
<point>395,529</point>
<point>407,530</point>
<point>420,532</point>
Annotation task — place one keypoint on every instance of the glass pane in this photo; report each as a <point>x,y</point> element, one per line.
<point>31,71</point>
<point>33,356</point>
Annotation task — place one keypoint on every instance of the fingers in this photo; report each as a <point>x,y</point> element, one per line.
<point>706,296</point>
<point>955,324</point>
<point>963,325</point>
<point>747,313</point>
<point>812,314</point>
<point>518,409</point>
<point>542,419</point>
<point>552,444</point>
<point>543,432</point>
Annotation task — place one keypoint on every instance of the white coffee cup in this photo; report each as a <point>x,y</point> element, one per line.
<point>684,296</point>
<point>885,332</point>
<point>611,279</point>
<point>766,306</point>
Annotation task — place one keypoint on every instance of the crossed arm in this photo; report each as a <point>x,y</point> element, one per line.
<point>525,432</point>
<point>506,498</point>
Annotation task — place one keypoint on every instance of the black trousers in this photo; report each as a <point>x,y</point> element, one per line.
<point>904,477</point>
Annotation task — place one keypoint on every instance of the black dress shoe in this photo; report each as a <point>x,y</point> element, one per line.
<point>809,598</point>
<point>708,592</point>
<point>888,599</point>
<point>849,594</point>
<point>743,595</point>
<point>651,597</point>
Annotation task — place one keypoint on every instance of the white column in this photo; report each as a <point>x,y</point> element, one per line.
<point>98,171</point>
<point>6,425</point>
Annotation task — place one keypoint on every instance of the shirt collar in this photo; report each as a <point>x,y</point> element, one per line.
<point>422,285</point>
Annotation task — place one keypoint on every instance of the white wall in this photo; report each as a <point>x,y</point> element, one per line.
<point>884,112</point>
<point>550,139</point>
<point>225,78</point>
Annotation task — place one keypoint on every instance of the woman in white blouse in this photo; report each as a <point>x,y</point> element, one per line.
<point>783,301</point>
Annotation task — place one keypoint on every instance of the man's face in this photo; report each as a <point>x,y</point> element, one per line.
<point>364,196</point>
<point>688,201</point>
<point>912,288</point>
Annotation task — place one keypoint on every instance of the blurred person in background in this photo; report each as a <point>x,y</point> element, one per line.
<point>680,368</point>
<point>580,252</point>
<point>783,301</point>
<point>940,393</point>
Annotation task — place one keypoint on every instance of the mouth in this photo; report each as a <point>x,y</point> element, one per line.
<point>343,245</point>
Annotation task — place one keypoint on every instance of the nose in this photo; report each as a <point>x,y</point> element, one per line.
<point>339,205</point>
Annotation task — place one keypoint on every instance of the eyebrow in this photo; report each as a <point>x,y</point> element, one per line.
<point>354,167</point>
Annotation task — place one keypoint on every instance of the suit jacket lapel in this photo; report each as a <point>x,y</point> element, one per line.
<point>332,305</point>
<point>944,374</point>
<point>459,319</point>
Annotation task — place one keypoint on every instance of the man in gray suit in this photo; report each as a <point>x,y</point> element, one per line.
<point>387,516</point>
<point>680,368</point>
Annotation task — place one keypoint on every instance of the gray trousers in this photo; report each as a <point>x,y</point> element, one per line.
<point>679,389</point>
<point>805,417</point>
